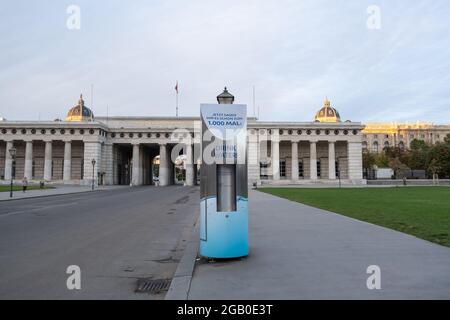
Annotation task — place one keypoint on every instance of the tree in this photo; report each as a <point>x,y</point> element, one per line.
<point>397,166</point>
<point>368,160</point>
<point>438,160</point>
<point>417,156</point>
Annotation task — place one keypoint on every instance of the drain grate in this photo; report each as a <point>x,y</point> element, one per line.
<point>152,286</point>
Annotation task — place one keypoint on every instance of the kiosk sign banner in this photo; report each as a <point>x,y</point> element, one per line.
<point>224,189</point>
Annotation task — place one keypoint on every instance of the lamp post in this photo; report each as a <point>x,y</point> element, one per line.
<point>93,171</point>
<point>339,176</point>
<point>225,97</point>
<point>12,152</point>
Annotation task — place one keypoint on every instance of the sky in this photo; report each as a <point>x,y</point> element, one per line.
<point>295,53</point>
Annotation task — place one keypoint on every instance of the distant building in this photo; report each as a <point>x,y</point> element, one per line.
<point>124,149</point>
<point>377,136</point>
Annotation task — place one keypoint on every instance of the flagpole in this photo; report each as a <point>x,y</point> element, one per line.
<point>176,108</point>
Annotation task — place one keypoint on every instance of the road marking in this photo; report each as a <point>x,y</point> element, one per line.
<point>37,209</point>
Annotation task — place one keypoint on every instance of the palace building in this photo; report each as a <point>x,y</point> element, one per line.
<point>377,136</point>
<point>122,150</point>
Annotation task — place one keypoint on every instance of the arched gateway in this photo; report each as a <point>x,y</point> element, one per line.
<point>139,150</point>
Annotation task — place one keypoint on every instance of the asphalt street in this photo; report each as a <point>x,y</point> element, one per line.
<point>116,237</point>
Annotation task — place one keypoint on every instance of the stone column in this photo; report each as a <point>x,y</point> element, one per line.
<point>136,165</point>
<point>253,157</point>
<point>354,154</point>
<point>109,164</point>
<point>312,160</point>
<point>163,166</point>
<point>331,161</point>
<point>8,161</point>
<point>189,166</point>
<point>28,170</point>
<point>294,158</point>
<point>67,173</point>
<point>48,161</point>
<point>275,159</point>
<point>92,150</point>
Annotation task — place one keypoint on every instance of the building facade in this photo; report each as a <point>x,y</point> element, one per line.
<point>121,150</point>
<point>377,136</point>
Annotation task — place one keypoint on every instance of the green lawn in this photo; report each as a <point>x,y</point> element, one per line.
<point>420,211</point>
<point>19,188</point>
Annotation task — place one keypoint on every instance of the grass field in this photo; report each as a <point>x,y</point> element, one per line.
<point>19,188</point>
<point>420,211</point>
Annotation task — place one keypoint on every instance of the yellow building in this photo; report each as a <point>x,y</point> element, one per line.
<point>377,136</point>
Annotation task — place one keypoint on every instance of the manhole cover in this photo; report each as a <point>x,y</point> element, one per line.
<point>152,286</point>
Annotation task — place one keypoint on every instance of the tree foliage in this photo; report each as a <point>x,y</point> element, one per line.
<point>434,159</point>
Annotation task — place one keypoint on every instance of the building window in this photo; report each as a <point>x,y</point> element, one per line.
<point>263,171</point>
<point>386,144</point>
<point>375,146</point>
<point>364,145</point>
<point>300,169</point>
<point>283,168</point>
<point>318,169</point>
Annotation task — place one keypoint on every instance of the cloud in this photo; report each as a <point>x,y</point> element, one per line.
<point>294,52</point>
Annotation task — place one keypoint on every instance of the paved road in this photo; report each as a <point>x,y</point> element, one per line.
<point>55,190</point>
<point>301,252</point>
<point>116,237</point>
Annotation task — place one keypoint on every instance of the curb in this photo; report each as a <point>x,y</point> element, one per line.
<point>181,281</point>
<point>48,195</point>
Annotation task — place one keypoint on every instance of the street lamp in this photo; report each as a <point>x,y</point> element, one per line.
<point>339,176</point>
<point>93,178</point>
<point>12,152</point>
<point>225,97</point>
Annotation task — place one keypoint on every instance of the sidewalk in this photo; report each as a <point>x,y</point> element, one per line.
<point>300,252</point>
<point>57,190</point>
